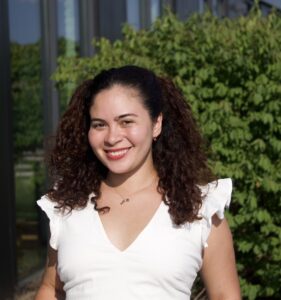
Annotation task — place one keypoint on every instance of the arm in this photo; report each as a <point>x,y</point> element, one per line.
<point>51,287</point>
<point>218,271</point>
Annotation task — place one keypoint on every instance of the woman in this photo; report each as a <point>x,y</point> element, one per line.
<point>133,210</point>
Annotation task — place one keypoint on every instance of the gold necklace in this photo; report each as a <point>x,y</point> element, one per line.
<point>127,198</point>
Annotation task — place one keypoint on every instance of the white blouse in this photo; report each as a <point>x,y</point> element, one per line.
<point>162,263</point>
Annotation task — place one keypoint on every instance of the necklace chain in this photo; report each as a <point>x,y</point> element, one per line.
<point>128,198</point>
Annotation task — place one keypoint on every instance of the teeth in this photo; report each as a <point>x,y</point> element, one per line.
<point>117,153</point>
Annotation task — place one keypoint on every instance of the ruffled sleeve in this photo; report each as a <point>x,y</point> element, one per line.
<point>54,216</point>
<point>217,198</point>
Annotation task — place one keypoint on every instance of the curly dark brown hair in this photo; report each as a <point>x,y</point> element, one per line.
<point>179,154</point>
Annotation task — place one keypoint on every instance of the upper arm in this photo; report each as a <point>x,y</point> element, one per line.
<point>219,271</point>
<point>51,286</point>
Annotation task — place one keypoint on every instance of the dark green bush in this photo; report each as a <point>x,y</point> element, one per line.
<point>26,95</point>
<point>230,72</point>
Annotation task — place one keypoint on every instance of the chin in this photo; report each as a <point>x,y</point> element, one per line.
<point>118,171</point>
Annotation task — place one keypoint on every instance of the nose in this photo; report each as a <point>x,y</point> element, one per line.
<point>113,136</point>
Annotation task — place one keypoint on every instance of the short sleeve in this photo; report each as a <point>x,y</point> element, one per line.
<point>217,198</point>
<point>54,216</point>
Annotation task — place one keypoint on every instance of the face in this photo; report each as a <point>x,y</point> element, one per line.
<point>121,131</point>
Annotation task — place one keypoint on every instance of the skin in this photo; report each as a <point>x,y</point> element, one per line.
<point>126,132</point>
<point>51,287</point>
<point>218,270</point>
<point>127,125</point>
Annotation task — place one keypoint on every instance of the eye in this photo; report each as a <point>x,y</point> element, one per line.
<point>126,123</point>
<point>98,125</point>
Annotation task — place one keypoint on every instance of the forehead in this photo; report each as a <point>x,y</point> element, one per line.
<point>117,98</point>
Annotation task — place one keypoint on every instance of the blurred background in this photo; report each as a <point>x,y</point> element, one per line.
<point>33,34</point>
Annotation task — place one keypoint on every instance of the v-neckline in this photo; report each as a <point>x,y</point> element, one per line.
<point>138,235</point>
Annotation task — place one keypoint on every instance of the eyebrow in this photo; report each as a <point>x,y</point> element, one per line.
<point>116,118</point>
<point>124,116</point>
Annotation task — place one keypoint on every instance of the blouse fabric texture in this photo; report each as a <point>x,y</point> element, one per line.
<point>161,263</point>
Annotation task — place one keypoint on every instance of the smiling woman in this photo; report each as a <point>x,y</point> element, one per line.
<point>134,203</point>
<point>121,137</point>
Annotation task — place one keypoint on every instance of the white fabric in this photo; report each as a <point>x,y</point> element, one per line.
<point>162,263</point>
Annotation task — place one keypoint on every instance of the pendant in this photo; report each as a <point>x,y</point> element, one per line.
<point>124,201</point>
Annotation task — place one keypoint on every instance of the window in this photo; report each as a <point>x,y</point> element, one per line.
<point>24,19</point>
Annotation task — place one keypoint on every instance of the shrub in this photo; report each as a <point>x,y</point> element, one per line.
<point>26,95</point>
<point>230,72</point>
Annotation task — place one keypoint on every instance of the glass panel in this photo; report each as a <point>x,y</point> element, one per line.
<point>133,13</point>
<point>154,9</point>
<point>24,18</point>
<point>68,43</point>
<point>68,30</point>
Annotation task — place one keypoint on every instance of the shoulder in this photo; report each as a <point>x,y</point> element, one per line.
<point>216,198</point>
<point>62,219</point>
<point>54,215</point>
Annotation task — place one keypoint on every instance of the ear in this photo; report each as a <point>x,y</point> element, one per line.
<point>157,126</point>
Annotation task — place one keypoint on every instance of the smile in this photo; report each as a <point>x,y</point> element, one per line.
<point>116,154</point>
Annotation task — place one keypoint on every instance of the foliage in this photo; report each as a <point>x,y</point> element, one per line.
<point>230,72</point>
<point>26,95</point>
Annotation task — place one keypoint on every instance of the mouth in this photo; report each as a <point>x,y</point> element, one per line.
<point>115,154</point>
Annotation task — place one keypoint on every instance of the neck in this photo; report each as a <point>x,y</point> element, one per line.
<point>129,181</point>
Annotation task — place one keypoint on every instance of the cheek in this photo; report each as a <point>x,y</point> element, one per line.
<point>140,135</point>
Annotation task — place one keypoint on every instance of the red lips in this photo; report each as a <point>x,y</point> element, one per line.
<point>116,154</point>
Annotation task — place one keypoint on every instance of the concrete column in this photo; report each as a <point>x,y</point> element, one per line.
<point>49,52</point>
<point>7,202</point>
<point>89,25</point>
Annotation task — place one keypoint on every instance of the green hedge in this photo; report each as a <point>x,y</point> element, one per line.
<point>26,96</point>
<point>230,72</point>
<point>26,71</point>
